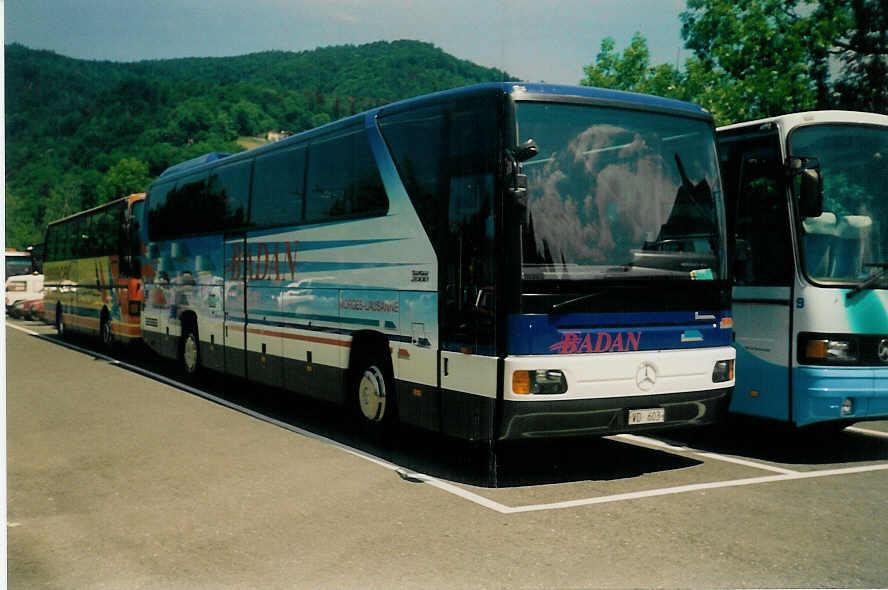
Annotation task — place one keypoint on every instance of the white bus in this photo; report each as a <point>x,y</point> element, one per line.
<point>807,197</point>
<point>501,261</point>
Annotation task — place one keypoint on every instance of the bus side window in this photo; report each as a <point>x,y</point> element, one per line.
<point>763,248</point>
<point>229,191</point>
<point>279,188</point>
<point>343,180</point>
<point>446,156</point>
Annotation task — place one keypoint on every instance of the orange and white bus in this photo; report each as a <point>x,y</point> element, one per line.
<point>93,279</point>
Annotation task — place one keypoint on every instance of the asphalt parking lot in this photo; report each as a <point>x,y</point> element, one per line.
<point>121,478</point>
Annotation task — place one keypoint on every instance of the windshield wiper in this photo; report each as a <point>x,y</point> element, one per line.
<point>579,299</point>
<point>868,284</point>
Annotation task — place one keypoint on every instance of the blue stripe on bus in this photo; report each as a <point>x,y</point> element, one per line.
<point>86,312</point>
<point>616,332</point>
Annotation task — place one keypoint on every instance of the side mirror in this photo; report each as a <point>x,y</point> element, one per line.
<point>526,151</point>
<point>810,185</point>
<point>811,193</point>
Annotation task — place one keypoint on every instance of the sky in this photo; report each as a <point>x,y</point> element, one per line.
<point>541,40</point>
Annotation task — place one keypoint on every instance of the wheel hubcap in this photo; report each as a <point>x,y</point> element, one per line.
<point>189,354</point>
<point>106,332</point>
<point>371,394</point>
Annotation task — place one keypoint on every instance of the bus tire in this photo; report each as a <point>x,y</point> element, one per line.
<point>373,392</point>
<point>105,333</point>
<point>60,322</point>
<point>189,351</point>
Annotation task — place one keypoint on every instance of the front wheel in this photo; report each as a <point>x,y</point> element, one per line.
<point>189,353</point>
<point>375,397</point>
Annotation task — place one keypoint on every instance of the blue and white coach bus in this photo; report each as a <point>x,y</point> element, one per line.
<point>807,196</point>
<point>494,262</point>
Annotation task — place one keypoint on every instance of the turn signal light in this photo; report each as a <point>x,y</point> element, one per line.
<point>521,382</point>
<point>723,371</point>
<point>540,381</point>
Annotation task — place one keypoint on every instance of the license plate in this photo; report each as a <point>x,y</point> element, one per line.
<point>647,416</point>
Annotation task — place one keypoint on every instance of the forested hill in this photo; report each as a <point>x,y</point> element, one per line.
<point>79,133</point>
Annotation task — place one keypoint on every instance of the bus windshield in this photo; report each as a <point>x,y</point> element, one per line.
<point>18,264</point>
<point>848,242</point>
<point>618,194</point>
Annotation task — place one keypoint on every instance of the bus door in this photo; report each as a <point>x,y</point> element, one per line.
<point>263,338</point>
<point>235,305</point>
<point>762,294</point>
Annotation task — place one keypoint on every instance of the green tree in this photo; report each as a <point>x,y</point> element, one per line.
<point>129,175</point>
<point>777,56</point>
<point>631,70</point>
<point>65,198</point>
<point>861,46</point>
<point>759,50</point>
<point>21,228</point>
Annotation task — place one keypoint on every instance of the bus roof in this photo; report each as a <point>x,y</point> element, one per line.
<point>129,199</point>
<point>541,91</point>
<point>517,90</point>
<point>791,120</point>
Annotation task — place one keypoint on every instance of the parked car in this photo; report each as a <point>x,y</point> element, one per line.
<point>28,309</point>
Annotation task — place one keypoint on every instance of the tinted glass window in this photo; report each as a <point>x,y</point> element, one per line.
<point>199,204</point>
<point>279,188</point>
<point>343,180</point>
<point>158,211</point>
<point>367,193</point>
<point>52,244</point>
<point>82,238</point>
<point>105,226</point>
<point>328,178</point>
<point>422,171</point>
<point>134,233</point>
<point>60,241</point>
<point>618,188</point>
<point>446,158</point>
<point>756,196</point>
<point>229,190</point>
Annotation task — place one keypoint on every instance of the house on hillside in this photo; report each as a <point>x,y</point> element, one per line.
<point>276,135</point>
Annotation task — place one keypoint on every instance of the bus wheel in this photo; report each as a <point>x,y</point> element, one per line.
<point>105,331</point>
<point>189,352</point>
<point>375,396</point>
<point>60,322</point>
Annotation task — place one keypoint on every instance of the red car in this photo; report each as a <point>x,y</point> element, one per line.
<point>28,309</point>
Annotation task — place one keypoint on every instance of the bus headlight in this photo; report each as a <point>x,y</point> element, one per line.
<point>723,371</point>
<point>540,381</point>
<point>827,350</point>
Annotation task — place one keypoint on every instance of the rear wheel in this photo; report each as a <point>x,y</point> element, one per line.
<point>60,322</point>
<point>105,331</point>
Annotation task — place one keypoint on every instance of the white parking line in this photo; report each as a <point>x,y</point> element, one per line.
<point>22,329</point>
<point>643,440</point>
<point>696,488</point>
<point>868,431</point>
<point>783,474</point>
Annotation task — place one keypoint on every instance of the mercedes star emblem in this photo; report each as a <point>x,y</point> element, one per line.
<point>646,376</point>
<point>883,350</point>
